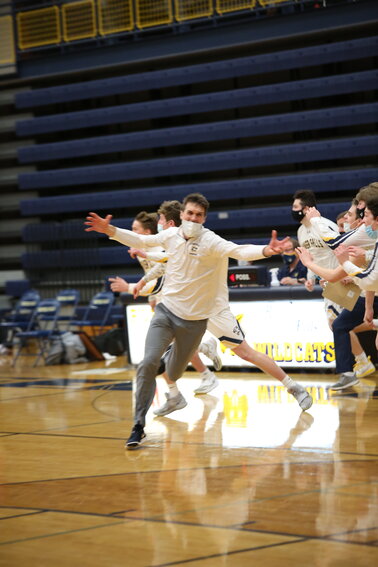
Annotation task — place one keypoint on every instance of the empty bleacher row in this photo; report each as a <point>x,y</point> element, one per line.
<point>215,71</point>
<point>308,152</point>
<point>217,191</point>
<point>332,85</point>
<point>199,133</point>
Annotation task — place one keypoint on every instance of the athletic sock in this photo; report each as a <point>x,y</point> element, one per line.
<point>206,373</point>
<point>361,357</point>
<point>288,382</point>
<point>173,390</point>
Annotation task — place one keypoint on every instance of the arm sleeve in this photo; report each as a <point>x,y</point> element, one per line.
<point>157,256</point>
<point>367,278</point>
<point>221,247</point>
<point>156,272</point>
<point>329,234</point>
<point>130,238</point>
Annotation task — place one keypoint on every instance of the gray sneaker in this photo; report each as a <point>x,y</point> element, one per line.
<point>172,404</point>
<point>209,349</point>
<point>303,398</point>
<point>344,381</point>
<point>207,384</point>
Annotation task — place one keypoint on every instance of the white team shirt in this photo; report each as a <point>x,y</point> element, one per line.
<point>195,285</point>
<point>308,237</point>
<point>367,279</point>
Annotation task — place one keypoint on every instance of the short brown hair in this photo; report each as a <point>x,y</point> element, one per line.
<point>368,192</point>
<point>171,210</point>
<point>148,221</point>
<point>197,198</point>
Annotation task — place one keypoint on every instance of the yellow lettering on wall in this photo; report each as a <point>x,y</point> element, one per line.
<point>309,353</point>
<point>329,351</point>
<point>288,353</point>
<point>298,352</point>
<point>278,356</point>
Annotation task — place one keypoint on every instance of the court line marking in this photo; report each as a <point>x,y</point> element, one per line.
<point>234,552</point>
<point>231,527</point>
<point>32,513</point>
<point>12,542</point>
<point>159,471</point>
<point>250,447</point>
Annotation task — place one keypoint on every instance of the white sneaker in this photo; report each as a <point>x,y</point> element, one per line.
<point>302,396</point>
<point>208,383</point>
<point>172,404</point>
<point>344,381</point>
<point>209,349</point>
<point>362,369</point>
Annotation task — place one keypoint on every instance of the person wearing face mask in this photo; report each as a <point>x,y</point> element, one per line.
<point>144,223</point>
<point>355,234</point>
<point>153,263</point>
<point>320,245</point>
<point>367,279</point>
<point>340,221</point>
<point>293,272</point>
<point>194,291</point>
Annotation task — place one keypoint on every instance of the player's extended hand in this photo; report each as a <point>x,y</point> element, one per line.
<point>97,223</point>
<point>312,213</point>
<point>119,285</point>
<point>134,252</point>
<point>341,253</point>
<point>368,316</point>
<point>277,245</point>
<point>357,255</point>
<point>309,285</point>
<point>304,255</point>
<point>138,287</point>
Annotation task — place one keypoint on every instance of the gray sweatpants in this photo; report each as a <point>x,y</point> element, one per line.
<point>164,328</point>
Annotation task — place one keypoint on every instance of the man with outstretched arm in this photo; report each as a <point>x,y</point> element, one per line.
<point>197,262</point>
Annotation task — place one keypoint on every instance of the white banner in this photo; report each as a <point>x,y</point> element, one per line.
<point>294,333</point>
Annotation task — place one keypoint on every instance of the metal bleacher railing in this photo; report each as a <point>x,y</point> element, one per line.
<point>66,22</point>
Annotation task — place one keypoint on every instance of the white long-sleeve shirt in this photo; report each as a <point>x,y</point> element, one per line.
<point>195,285</point>
<point>308,237</point>
<point>356,237</point>
<point>367,279</point>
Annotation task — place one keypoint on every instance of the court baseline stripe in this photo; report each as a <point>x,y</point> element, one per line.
<point>301,537</point>
<point>159,471</point>
<point>292,449</point>
<point>60,533</point>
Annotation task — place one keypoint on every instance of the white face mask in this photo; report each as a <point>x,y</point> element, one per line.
<point>191,229</point>
<point>160,227</point>
<point>347,227</point>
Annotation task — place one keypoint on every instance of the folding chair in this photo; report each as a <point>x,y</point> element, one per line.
<point>19,318</point>
<point>68,299</point>
<point>43,326</point>
<point>98,313</point>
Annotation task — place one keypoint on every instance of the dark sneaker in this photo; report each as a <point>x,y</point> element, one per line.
<point>135,439</point>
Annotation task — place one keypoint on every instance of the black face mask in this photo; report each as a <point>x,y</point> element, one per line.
<point>288,258</point>
<point>360,213</point>
<point>297,215</point>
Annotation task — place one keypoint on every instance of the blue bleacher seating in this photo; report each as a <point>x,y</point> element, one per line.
<point>320,182</point>
<point>199,133</point>
<point>255,64</point>
<point>181,106</point>
<point>208,162</point>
